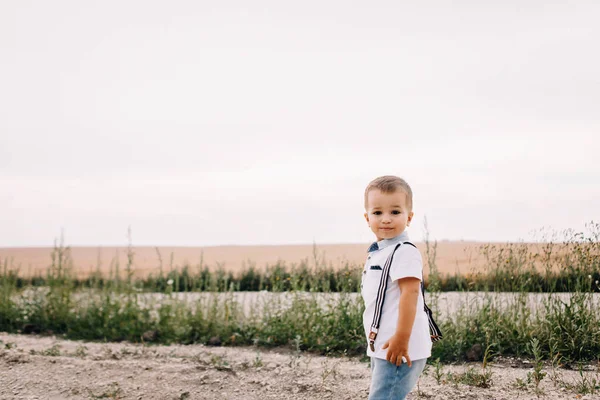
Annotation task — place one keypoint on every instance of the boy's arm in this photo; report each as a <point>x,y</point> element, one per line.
<point>407,309</point>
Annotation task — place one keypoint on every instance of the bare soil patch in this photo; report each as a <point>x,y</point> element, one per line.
<point>35,367</point>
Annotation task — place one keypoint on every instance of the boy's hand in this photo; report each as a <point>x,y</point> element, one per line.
<point>397,350</point>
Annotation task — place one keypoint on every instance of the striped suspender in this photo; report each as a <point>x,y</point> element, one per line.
<point>434,331</point>
<point>385,277</point>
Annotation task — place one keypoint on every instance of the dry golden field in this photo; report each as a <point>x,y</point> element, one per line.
<point>451,257</point>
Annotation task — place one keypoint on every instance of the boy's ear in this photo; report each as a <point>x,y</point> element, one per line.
<point>367,217</point>
<point>410,216</point>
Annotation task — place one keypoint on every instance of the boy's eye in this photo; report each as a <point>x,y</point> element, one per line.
<point>376,212</point>
<point>396,212</point>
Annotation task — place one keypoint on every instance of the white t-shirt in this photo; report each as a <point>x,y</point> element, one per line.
<point>407,262</point>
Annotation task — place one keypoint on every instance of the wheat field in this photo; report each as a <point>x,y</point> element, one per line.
<point>452,257</point>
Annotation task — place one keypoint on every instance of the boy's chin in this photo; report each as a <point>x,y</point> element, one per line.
<point>387,235</point>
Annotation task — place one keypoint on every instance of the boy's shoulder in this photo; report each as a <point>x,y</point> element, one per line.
<point>410,244</point>
<point>408,250</point>
<point>408,247</point>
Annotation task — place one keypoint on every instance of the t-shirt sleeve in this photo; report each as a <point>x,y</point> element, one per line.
<point>407,263</point>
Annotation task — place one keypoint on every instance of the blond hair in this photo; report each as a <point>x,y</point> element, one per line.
<point>389,184</point>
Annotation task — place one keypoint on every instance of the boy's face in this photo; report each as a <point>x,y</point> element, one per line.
<point>387,213</point>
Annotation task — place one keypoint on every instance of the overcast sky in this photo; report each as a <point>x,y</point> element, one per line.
<point>260,122</point>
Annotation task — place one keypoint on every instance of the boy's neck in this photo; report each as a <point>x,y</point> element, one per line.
<point>380,244</point>
<point>401,237</point>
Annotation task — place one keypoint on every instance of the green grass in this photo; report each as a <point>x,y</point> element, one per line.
<point>115,309</point>
<point>509,268</point>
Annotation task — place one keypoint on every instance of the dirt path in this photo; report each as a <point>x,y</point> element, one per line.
<point>34,367</point>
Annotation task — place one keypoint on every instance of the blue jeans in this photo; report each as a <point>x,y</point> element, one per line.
<point>389,382</point>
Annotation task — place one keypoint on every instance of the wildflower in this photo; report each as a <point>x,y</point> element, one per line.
<point>589,277</point>
<point>170,282</point>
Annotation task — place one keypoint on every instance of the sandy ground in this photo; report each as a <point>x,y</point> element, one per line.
<point>34,367</point>
<point>451,257</point>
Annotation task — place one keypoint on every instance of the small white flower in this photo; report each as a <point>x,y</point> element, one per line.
<point>596,282</point>
<point>170,282</point>
<point>589,277</point>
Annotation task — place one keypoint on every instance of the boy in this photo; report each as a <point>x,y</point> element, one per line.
<point>401,345</point>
